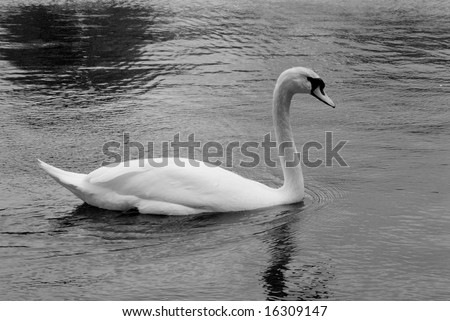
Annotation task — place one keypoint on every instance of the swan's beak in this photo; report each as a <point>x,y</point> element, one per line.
<point>322,96</point>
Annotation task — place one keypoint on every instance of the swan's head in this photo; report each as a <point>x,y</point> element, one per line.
<point>300,80</point>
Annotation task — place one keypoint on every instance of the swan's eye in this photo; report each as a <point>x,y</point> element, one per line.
<point>317,82</point>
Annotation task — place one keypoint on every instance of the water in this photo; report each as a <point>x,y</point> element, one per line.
<point>76,74</point>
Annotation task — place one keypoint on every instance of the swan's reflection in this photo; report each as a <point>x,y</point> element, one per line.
<point>287,277</point>
<point>106,224</point>
<point>84,46</point>
<point>281,251</point>
<point>118,225</point>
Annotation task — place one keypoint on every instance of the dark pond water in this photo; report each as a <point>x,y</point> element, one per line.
<point>76,74</point>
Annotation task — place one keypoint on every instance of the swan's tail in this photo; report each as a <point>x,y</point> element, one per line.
<point>72,181</point>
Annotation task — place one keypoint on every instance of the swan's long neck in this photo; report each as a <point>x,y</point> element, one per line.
<point>293,177</point>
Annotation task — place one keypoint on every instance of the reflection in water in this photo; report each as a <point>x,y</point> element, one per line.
<point>287,279</point>
<point>119,225</point>
<point>130,225</point>
<point>84,46</point>
<point>274,276</point>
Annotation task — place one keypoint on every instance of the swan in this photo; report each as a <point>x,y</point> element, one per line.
<point>176,190</point>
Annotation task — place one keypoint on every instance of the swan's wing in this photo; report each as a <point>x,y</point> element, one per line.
<point>106,174</point>
<point>202,186</point>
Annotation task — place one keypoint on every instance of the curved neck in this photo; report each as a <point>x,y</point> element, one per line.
<point>293,185</point>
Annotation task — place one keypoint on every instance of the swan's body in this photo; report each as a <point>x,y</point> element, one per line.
<point>171,189</point>
<point>175,190</point>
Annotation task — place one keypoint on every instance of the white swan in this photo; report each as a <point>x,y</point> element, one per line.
<point>175,190</point>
